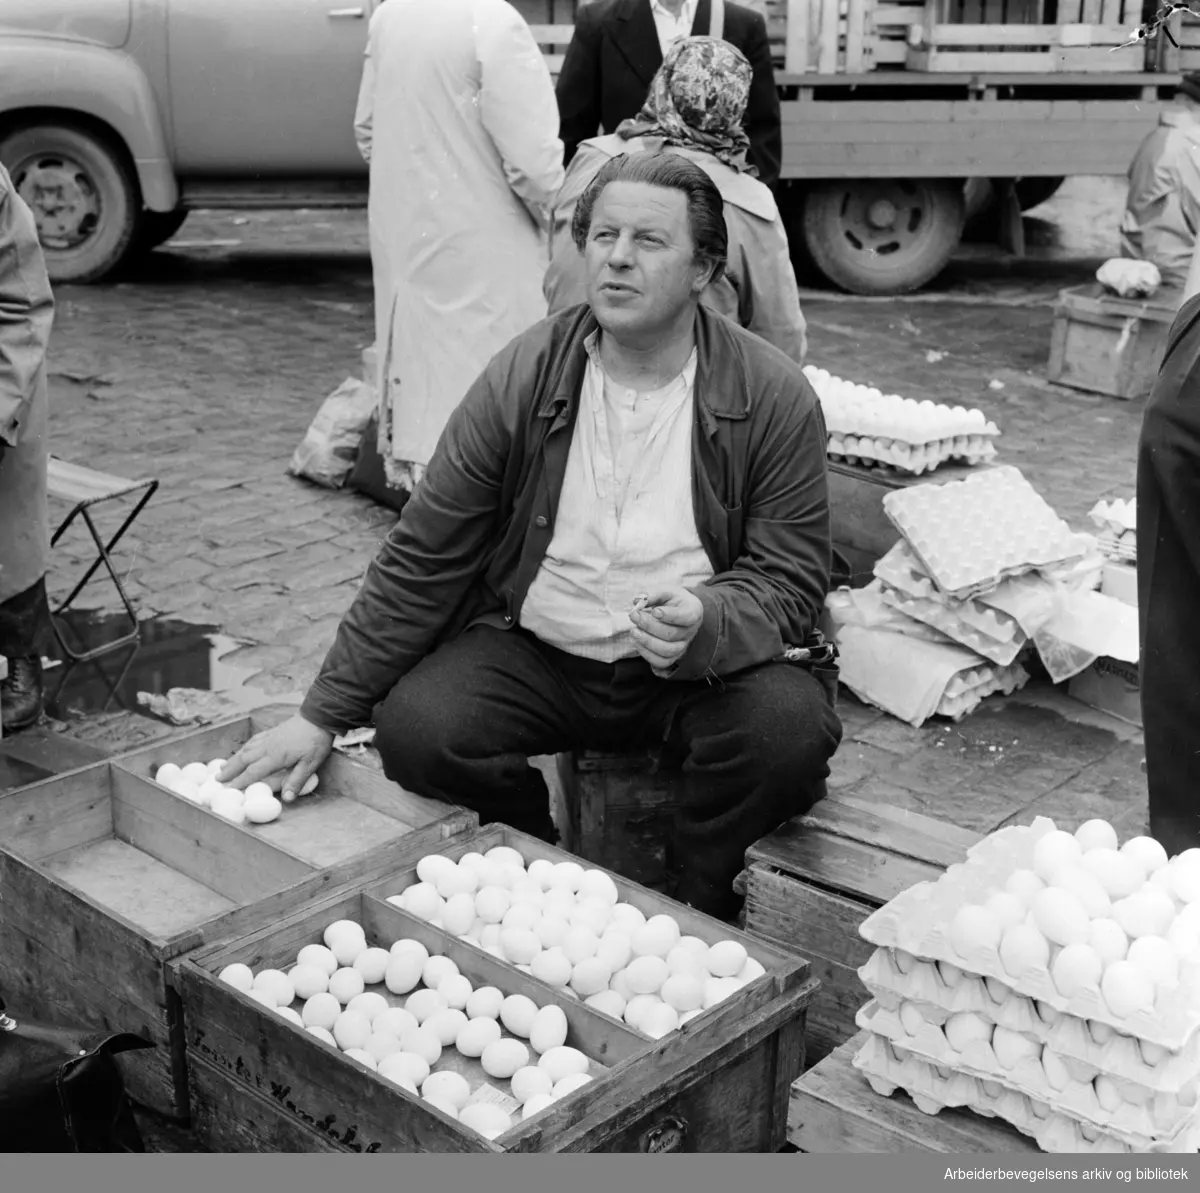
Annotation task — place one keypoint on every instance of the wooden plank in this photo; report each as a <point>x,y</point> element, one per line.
<point>856,22</point>
<point>1058,60</point>
<point>61,812</point>
<point>223,856</point>
<point>834,1110</point>
<point>827,54</point>
<point>1025,35</point>
<point>796,48</point>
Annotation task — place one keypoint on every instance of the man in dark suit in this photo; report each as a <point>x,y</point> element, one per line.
<point>619,44</point>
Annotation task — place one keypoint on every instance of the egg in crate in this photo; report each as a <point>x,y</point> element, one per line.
<point>423,1003</point>
<point>485,1001</point>
<point>239,976</point>
<point>548,1029</point>
<point>726,959</point>
<point>1116,872</point>
<point>381,1044</point>
<point>552,967</point>
<point>1126,989</point>
<point>345,939</point>
<point>1075,968</point>
<point>369,1004</point>
<point>395,1021</point>
<point>656,938</point>
<point>351,1030</point>
<point>1023,949</point>
<point>345,984</point>
<point>372,964</point>
<point>476,1034</point>
<point>277,983</point>
<point>404,971</point>
<point>446,1025</point>
<point>452,1087</point>
<point>1146,853</point>
<point>658,1020</point>
<point>1053,851</point>
<point>561,1062</point>
<point>489,1120</point>
<point>404,1068</point>
<point>320,957</point>
<point>322,1010</point>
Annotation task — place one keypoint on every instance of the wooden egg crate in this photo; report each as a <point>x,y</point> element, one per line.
<point>719,1083</point>
<point>105,876</point>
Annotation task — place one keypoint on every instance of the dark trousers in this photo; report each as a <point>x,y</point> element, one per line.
<point>754,748</point>
<point>25,627</point>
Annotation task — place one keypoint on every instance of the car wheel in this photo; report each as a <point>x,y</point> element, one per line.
<point>157,227</point>
<point>882,236</point>
<point>83,196</point>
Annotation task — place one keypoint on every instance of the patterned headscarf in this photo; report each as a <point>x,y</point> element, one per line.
<point>697,101</point>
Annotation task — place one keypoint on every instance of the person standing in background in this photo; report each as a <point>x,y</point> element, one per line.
<point>457,121</point>
<point>26,315</point>
<point>620,44</point>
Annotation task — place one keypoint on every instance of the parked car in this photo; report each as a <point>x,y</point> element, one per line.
<point>117,117</point>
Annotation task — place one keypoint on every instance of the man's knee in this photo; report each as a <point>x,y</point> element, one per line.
<point>409,734</point>
<point>790,726</point>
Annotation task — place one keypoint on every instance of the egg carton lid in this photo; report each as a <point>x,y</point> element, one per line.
<point>1116,515</point>
<point>902,570</point>
<point>1119,1056</point>
<point>885,428</point>
<point>999,647</point>
<point>918,920</point>
<point>889,1068</point>
<point>936,519</point>
<point>956,703</point>
<point>1159,1116</point>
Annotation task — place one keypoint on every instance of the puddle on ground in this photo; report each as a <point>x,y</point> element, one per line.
<point>170,654</point>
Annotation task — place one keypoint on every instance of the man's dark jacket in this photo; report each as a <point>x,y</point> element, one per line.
<point>474,533</point>
<point>614,54</point>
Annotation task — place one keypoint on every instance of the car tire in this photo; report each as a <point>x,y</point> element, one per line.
<point>157,227</point>
<point>84,198</point>
<point>883,236</point>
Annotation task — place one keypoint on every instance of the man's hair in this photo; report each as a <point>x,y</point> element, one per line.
<point>706,208</point>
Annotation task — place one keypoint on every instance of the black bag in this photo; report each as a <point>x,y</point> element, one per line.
<point>368,475</point>
<point>61,1089</point>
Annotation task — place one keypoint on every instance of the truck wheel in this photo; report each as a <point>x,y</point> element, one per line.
<point>84,198</point>
<point>157,227</point>
<point>882,236</point>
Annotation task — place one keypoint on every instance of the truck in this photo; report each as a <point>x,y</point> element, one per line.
<point>118,117</point>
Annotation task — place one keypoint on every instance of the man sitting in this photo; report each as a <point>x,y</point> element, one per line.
<point>623,529</point>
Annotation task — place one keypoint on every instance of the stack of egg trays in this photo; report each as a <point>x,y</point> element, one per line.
<point>912,944</point>
<point>933,1088</point>
<point>1117,523</point>
<point>971,534</point>
<point>968,689</point>
<point>914,458</point>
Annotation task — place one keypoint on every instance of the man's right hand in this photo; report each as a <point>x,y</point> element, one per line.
<point>293,750</point>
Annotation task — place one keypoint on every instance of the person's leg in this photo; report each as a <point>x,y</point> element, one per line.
<point>461,726</point>
<point>756,749</point>
<point>24,635</point>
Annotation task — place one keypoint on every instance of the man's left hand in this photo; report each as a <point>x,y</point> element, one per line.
<point>664,627</point>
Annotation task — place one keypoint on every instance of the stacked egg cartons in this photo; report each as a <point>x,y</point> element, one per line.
<point>867,426</point>
<point>1051,980</point>
<point>1116,521</point>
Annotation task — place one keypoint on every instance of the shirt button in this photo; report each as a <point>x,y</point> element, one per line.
<point>507,619</point>
<point>541,520</point>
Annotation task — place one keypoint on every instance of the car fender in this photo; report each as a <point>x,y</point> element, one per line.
<point>103,84</point>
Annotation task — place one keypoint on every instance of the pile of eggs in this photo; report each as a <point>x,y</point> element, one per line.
<point>442,1010</point>
<point>567,927</point>
<point>1093,916</point>
<point>197,782</point>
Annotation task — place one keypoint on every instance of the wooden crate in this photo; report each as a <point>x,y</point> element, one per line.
<point>617,811</point>
<point>1182,57</point>
<point>834,1110</point>
<point>719,1084</point>
<point>1108,345</point>
<point>812,882</point>
<point>105,877</point>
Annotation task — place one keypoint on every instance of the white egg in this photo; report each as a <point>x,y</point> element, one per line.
<point>196,773</point>
<point>404,1067</point>
<point>450,1086</point>
<point>168,774</point>
<point>1152,1054</point>
<point>457,880</point>
<point>258,791</point>
<point>1107,1093</point>
<point>485,1118</point>
<point>372,964</point>
<point>1012,1047</point>
<point>580,943</point>
<point>1096,834</point>
<point>422,900</point>
<point>966,1028</point>
<point>381,1044</point>
<point>521,915</point>
<point>620,985</point>
<point>318,956</point>
<point>646,974</point>
<point>519,945</point>
<point>1184,939</point>
<point>517,1013</point>
<point>591,976</point>
<point>1024,884</point>
<point>997,991</point>
<point>1076,967</point>
<point>505,855</point>
<point>1060,916</point>
<point>1006,909</point>
<point>290,1015</point>
<point>1046,1013</point>
<point>492,904</point>
<point>1087,888</point>
<point>973,928</point>
<point>476,1035</point>
<point>437,968</point>
<point>529,1081</point>
<point>395,1021</point>
<point>725,958</point>
<point>718,989</point>
<point>423,1003</point>
<point>526,893</point>
<point>322,1010</point>
<point>502,1058</point>
<point>265,997</point>
<point>403,972</point>
<point>558,902</point>
<point>658,1021</point>
<point>400,947</point>
<point>1146,853</point>
<point>539,870</point>
<point>1109,941</point>
<point>1126,989</point>
<point>638,1006</point>
<point>322,1033</point>
<point>569,1084</point>
<point>456,990</point>
<point>552,967</point>
<point>1057,1074</point>
<point>345,939</point>
<point>596,884</point>
<point>1053,851</point>
<point>239,976</point>
<point>536,1105</point>
<point>1116,872</point>
<point>548,1029</point>
<point>352,1030</point>
<point>227,809</point>
<point>1154,957</point>
<point>459,914</point>
<point>362,1056</point>
<point>607,1002</point>
<point>1184,881</point>
<point>683,992</point>
<point>278,983</point>
<point>210,789</point>
<point>628,918</point>
<point>657,938</point>
<point>561,1062</point>
<point>1147,912</point>
<point>566,876</point>
<point>591,913</point>
<point>433,864</point>
<point>422,1042</point>
<point>1023,948</point>
<point>370,1005</point>
<point>345,984</point>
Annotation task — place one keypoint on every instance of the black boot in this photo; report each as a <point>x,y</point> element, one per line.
<point>21,694</point>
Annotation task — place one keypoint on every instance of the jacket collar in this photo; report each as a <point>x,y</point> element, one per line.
<point>722,388</point>
<point>636,36</point>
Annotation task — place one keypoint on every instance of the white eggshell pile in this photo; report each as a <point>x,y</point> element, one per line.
<point>197,782</point>
<point>568,927</point>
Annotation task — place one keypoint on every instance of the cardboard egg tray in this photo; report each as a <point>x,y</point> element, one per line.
<point>968,689</point>
<point>1140,1112</point>
<point>906,457</point>
<point>1096,1047</point>
<point>1000,644</point>
<point>888,1068</point>
<point>971,534</point>
<point>1118,545</point>
<point>918,921</point>
<point>1117,516</point>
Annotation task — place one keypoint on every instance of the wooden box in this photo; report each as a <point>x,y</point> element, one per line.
<point>1108,345</point>
<point>721,1083</point>
<point>617,811</point>
<point>834,1110</point>
<point>812,882</point>
<point>105,876</point>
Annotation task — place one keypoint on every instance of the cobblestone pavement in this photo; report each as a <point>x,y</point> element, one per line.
<point>205,368</point>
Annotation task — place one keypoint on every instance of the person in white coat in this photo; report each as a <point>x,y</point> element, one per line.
<point>458,123</point>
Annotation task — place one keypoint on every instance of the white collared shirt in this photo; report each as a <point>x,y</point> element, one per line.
<point>670,27</point>
<point>625,522</point>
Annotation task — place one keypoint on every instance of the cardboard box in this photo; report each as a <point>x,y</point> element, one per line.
<point>1119,581</point>
<point>1112,686</point>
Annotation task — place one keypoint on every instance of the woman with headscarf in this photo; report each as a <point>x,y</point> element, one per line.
<point>695,108</point>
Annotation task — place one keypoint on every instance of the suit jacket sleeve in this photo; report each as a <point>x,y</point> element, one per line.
<point>776,588</point>
<point>427,563</point>
<point>762,108</point>
<point>26,311</point>
<point>578,89</point>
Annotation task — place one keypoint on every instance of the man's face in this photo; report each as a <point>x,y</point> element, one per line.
<point>642,272</point>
